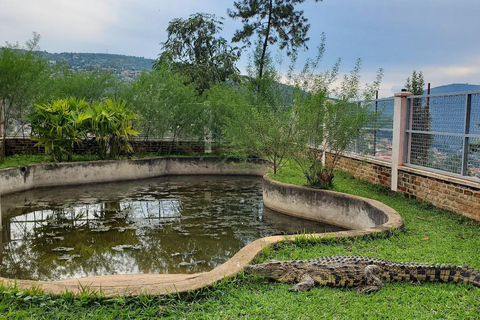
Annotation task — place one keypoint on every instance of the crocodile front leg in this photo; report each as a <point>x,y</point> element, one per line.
<point>372,282</point>
<point>306,283</point>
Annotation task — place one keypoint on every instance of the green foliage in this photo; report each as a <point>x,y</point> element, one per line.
<point>423,120</point>
<point>60,124</point>
<point>195,49</point>
<point>22,80</point>
<point>324,128</point>
<point>21,160</point>
<point>262,122</point>
<point>415,84</point>
<point>168,106</point>
<point>224,103</point>
<point>274,21</point>
<point>90,85</point>
<point>111,124</point>
<point>64,122</point>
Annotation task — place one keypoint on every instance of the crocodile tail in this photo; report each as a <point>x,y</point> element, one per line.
<point>469,275</point>
<point>457,274</point>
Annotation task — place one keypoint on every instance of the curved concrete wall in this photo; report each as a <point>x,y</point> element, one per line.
<point>344,210</point>
<point>367,216</point>
<point>75,173</point>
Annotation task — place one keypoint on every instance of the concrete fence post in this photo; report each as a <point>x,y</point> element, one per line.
<point>398,141</point>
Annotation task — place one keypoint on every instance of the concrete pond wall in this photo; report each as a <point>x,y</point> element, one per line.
<point>340,209</point>
<point>362,216</point>
<point>92,172</point>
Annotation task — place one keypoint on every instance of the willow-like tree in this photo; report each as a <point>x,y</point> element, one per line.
<point>23,75</point>
<point>195,49</point>
<point>274,21</point>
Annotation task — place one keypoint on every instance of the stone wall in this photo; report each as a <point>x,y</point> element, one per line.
<point>443,191</point>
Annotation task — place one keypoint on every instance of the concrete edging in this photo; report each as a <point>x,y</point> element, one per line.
<point>159,284</point>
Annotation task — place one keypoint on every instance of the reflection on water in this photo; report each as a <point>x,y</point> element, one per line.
<point>163,225</point>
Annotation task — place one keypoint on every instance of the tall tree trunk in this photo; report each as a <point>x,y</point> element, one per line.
<point>265,45</point>
<point>3,135</point>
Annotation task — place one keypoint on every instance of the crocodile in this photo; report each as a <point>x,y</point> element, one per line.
<point>365,273</point>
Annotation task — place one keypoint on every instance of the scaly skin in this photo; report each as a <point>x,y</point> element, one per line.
<point>367,274</point>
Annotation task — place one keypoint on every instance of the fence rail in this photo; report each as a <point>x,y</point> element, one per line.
<point>443,133</point>
<point>376,139</point>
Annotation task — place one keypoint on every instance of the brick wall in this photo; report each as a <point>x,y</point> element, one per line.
<point>454,194</point>
<point>21,146</point>
<point>377,172</point>
<point>443,191</point>
<point>27,146</point>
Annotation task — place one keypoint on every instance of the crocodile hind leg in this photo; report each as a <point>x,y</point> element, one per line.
<point>305,284</point>
<point>372,282</point>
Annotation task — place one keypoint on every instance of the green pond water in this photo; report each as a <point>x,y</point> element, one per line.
<point>178,224</point>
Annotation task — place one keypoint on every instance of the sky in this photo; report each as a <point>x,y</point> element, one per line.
<point>441,38</point>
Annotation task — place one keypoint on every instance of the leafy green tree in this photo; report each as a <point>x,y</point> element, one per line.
<point>221,105</point>
<point>274,21</point>
<point>416,83</point>
<point>22,80</point>
<point>262,122</point>
<point>324,128</point>
<point>195,49</point>
<point>168,106</point>
<point>421,120</point>
<point>91,85</point>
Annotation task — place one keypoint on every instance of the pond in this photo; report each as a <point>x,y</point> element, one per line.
<point>176,224</point>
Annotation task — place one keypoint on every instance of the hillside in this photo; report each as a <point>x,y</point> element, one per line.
<point>454,87</point>
<point>124,67</point>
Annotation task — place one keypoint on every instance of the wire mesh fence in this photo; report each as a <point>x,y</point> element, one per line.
<point>375,140</point>
<point>443,133</point>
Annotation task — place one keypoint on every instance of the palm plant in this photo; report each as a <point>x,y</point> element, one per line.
<point>59,125</point>
<point>111,124</point>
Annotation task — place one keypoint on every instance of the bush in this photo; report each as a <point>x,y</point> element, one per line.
<point>60,124</point>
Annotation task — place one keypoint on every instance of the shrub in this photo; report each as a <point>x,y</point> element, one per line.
<point>60,124</point>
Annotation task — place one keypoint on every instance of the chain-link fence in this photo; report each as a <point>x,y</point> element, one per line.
<point>375,140</point>
<point>443,133</point>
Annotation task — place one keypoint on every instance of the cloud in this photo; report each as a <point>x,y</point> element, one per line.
<point>85,20</point>
<point>433,36</point>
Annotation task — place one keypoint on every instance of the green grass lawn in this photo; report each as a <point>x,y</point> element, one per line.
<point>430,235</point>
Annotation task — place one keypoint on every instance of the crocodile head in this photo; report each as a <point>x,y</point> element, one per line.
<point>281,271</point>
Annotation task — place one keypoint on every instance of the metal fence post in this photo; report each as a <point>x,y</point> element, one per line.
<point>398,141</point>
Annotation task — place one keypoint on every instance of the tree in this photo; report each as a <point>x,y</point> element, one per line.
<point>90,85</point>
<point>415,84</point>
<point>22,80</point>
<point>324,128</point>
<point>274,21</point>
<point>421,120</point>
<point>167,105</point>
<point>195,49</point>
<point>262,120</point>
